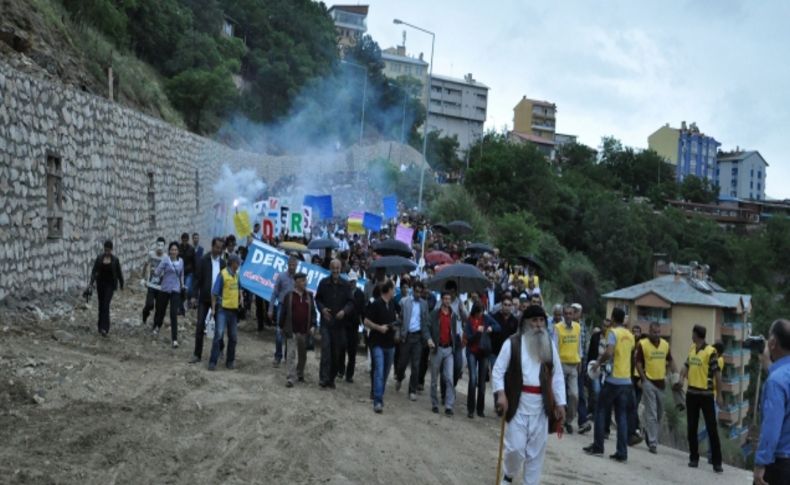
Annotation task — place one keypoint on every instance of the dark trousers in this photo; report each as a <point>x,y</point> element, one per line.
<point>476,391</point>
<point>410,350</point>
<point>162,300</point>
<point>705,403</point>
<point>104,294</point>
<point>261,307</point>
<point>621,397</point>
<point>200,327</point>
<point>778,472</point>
<point>424,355</point>
<point>150,302</point>
<point>582,410</point>
<point>331,344</point>
<point>350,344</point>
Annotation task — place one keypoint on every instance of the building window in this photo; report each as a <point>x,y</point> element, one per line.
<point>752,173</point>
<point>751,185</point>
<point>751,196</point>
<point>759,174</point>
<point>733,193</point>
<point>734,171</point>
<point>151,201</point>
<point>54,197</point>
<point>650,314</point>
<point>759,186</point>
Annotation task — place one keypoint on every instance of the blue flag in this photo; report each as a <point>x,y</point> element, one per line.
<point>320,203</point>
<point>372,221</point>
<point>390,203</point>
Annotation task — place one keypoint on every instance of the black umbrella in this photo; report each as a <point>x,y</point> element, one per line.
<point>479,248</point>
<point>393,247</point>
<point>460,227</point>
<point>322,244</point>
<point>531,260</point>
<point>394,264</point>
<point>466,277</point>
<point>441,228</point>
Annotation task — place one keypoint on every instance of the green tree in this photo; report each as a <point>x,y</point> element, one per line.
<point>454,202</point>
<point>516,234</point>
<point>201,94</point>
<point>699,190</point>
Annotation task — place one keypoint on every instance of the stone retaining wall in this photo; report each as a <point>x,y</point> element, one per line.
<point>109,156</point>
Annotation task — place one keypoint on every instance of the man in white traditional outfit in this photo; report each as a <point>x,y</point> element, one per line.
<point>529,394</point>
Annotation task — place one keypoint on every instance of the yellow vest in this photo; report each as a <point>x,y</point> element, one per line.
<point>621,368</point>
<point>699,367</point>
<point>568,342</point>
<point>721,369</point>
<point>230,290</point>
<point>655,359</point>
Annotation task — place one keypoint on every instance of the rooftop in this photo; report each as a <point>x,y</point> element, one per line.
<point>683,290</point>
<point>456,80</point>
<point>533,138</point>
<point>738,156</point>
<point>357,9</point>
<point>391,56</point>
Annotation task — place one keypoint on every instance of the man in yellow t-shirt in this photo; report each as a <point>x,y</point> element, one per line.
<point>617,391</point>
<point>653,358</point>
<point>702,370</point>
<point>567,336</point>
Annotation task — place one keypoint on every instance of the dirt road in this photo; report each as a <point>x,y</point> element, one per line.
<point>78,408</point>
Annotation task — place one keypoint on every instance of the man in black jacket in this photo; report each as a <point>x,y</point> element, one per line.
<point>206,272</point>
<point>107,276</point>
<point>351,341</point>
<point>334,301</point>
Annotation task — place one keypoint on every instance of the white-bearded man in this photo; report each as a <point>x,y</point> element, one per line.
<point>528,394</point>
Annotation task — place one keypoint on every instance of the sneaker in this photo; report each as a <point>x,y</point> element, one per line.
<point>412,396</point>
<point>718,469</point>
<point>435,410</point>
<point>585,428</point>
<point>289,384</point>
<point>175,344</point>
<point>378,408</point>
<point>592,450</point>
<point>618,458</point>
<point>194,360</point>
<point>568,428</point>
<point>398,384</point>
<point>155,332</point>
<point>231,365</point>
<point>693,464</point>
<point>653,450</point>
<point>448,412</point>
<point>212,366</point>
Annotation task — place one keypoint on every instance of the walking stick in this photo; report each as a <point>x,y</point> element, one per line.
<point>501,447</point>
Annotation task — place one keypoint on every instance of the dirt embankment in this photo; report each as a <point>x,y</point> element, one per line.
<point>77,408</point>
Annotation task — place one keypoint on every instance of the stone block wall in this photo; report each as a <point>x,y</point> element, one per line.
<point>109,156</point>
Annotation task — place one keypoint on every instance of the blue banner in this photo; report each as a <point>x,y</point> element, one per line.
<point>259,271</point>
<point>372,221</point>
<point>390,204</point>
<point>322,204</point>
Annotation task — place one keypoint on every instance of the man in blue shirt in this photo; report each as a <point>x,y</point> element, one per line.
<point>772,461</point>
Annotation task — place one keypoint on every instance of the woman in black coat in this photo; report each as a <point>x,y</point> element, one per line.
<point>107,276</point>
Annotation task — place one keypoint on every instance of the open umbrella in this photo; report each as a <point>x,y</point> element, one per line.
<point>394,264</point>
<point>293,246</point>
<point>479,248</point>
<point>466,277</point>
<point>393,247</point>
<point>322,244</point>
<point>441,228</point>
<point>438,257</point>
<point>531,260</point>
<point>459,227</point>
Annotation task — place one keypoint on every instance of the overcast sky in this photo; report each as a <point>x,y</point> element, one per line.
<point>620,68</point>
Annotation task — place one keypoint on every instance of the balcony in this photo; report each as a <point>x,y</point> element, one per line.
<point>735,357</point>
<point>734,385</point>
<point>734,413</point>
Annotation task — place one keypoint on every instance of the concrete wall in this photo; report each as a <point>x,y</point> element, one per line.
<point>107,153</point>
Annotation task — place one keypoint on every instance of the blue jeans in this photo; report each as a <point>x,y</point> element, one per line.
<point>189,283</point>
<point>278,335</point>
<point>476,389</point>
<point>621,397</point>
<point>382,361</point>
<point>225,319</point>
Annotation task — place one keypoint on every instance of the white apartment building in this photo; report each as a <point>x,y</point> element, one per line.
<point>741,174</point>
<point>458,107</point>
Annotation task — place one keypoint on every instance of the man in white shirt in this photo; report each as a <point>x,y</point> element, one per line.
<point>415,314</point>
<point>528,387</point>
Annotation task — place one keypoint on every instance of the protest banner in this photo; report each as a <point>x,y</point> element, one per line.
<point>372,222</point>
<point>355,223</point>
<point>268,227</point>
<point>259,271</point>
<point>404,234</point>
<point>307,219</point>
<point>260,206</point>
<point>390,204</point>
<point>241,221</point>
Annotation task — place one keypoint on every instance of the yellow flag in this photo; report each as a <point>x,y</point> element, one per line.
<point>241,220</point>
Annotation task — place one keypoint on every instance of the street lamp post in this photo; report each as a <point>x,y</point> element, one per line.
<point>364,96</point>
<point>427,108</point>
